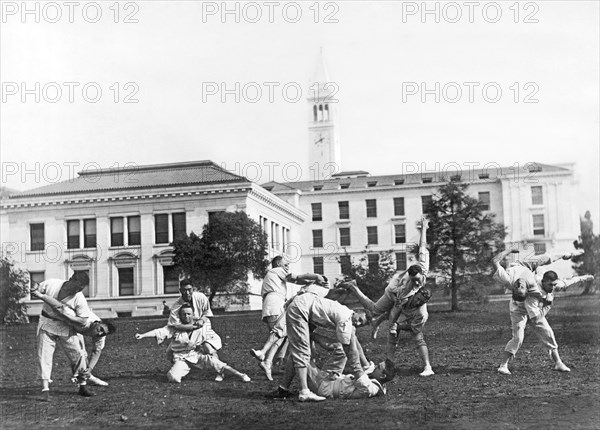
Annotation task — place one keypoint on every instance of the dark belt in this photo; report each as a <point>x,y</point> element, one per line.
<point>46,315</point>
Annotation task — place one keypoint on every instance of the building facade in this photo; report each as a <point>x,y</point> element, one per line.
<point>117,224</point>
<point>354,213</point>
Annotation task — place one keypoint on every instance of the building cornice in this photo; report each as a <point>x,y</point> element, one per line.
<point>118,196</point>
<point>265,196</point>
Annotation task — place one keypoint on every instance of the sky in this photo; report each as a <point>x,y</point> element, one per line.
<point>147,88</point>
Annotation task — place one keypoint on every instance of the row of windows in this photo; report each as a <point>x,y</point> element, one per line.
<point>124,231</point>
<point>398,202</point>
<point>400,233</point>
<point>125,280</point>
<point>372,236</point>
<point>373,261</point>
<point>346,263</point>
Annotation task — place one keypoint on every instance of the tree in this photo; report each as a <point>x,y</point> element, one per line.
<point>231,245</point>
<point>589,262</point>
<point>370,278</point>
<point>461,237</point>
<point>14,287</point>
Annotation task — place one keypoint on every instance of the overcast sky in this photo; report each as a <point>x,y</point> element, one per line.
<point>176,50</point>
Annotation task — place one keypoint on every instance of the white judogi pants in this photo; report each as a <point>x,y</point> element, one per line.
<point>518,318</point>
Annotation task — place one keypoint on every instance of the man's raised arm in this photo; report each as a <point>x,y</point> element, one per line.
<point>423,258</point>
<point>501,274</point>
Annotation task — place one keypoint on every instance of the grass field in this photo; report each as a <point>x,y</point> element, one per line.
<point>466,391</point>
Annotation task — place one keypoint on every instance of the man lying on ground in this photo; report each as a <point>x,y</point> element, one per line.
<point>329,380</point>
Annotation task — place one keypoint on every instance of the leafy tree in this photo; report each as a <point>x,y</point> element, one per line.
<point>589,262</point>
<point>231,245</point>
<point>14,286</point>
<point>461,237</point>
<point>371,280</point>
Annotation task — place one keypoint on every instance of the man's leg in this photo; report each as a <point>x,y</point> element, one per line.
<point>46,344</point>
<point>179,369</point>
<point>546,335</point>
<point>416,319</point>
<point>518,318</point>
<point>299,337</point>
<point>275,340</point>
<point>77,356</point>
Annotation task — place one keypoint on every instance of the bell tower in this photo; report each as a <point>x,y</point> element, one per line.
<point>324,146</point>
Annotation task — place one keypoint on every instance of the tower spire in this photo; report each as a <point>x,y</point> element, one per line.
<point>324,146</point>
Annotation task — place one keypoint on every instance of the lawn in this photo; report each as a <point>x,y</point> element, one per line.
<point>466,391</point>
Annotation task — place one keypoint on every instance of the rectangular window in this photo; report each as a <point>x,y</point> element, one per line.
<point>117,232</point>
<point>126,281</point>
<point>86,290</point>
<point>317,187</point>
<point>345,264</point>
<point>36,278</point>
<point>73,234</point>
<point>537,196</point>
<point>399,206</point>
<point>372,235</point>
<point>398,181</point>
<point>538,225</point>
<point>211,217</point>
<point>344,186</point>
<point>399,233</point>
<point>179,226</point>
<point>170,280</point>
<point>371,208</point>
<point>345,236</point>
<point>89,233</point>
<point>373,262</point>
<point>427,180</point>
<point>318,265</point>
<point>426,202</point>
<point>317,238</point>
<point>134,231</point>
<point>344,210</point>
<point>317,211</point>
<point>539,248</point>
<point>484,200</point>
<point>36,234</point>
<point>371,184</point>
<point>161,228</point>
<point>400,260</point>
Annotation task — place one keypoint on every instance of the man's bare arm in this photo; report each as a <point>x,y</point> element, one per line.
<point>59,307</point>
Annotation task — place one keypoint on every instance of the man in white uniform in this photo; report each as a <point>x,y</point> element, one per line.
<point>52,330</point>
<point>528,302</point>
<point>399,291</point>
<point>311,309</point>
<point>87,325</point>
<point>274,293</point>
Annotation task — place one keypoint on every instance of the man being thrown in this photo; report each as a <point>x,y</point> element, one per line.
<point>403,291</point>
<point>196,347</point>
<point>531,301</point>
<point>52,330</point>
<point>329,381</point>
<point>311,309</point>
<point>87,325</point>
<point>274,292</point>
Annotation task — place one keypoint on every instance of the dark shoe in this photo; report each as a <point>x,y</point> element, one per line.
<point>83,391</point>
<point>279,393</point>
<point>45,397</point>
